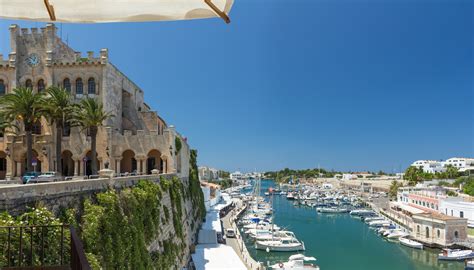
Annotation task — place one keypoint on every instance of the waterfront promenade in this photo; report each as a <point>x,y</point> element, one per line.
<point>237,243</point>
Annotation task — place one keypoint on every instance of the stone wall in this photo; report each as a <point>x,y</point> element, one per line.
<point>71,194</point>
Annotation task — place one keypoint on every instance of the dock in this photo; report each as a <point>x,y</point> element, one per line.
<point>237,243</point>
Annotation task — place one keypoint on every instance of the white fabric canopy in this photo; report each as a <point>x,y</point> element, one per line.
<point>93,11</point>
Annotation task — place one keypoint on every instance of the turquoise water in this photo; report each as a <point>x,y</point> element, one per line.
<point>342,242</point>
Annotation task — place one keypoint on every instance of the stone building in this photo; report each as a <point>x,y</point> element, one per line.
<point>136,139</point>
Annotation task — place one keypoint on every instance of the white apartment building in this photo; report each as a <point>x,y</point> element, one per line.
<point>429,166</point>
<point>457,207</point>
<point>460,163</point>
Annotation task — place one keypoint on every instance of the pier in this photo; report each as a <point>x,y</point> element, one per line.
<point>237,243</point>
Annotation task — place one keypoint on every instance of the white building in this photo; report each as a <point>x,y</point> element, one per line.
<point>429,166</point>
<point>208,174</point>
<point>457,207</point>
<point>460,163</point>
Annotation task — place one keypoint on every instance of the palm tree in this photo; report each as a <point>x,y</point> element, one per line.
<point>23,105</point>
<point>57,106</point>
<point>90,114</point>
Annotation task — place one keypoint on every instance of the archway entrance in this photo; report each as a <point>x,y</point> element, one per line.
<point>154,161</point>
<point>88,161</point>
<point>3,165</point>
<point>128,163</point>
<point>36,160</point>
<point>67,163</point>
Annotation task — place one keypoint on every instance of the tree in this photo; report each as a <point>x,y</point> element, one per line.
<point>451,171</point>
<point>24,105</point>
<point>394,188</point>
<point>413,175</point>
<point>57,106</point>
<point>89,114</point>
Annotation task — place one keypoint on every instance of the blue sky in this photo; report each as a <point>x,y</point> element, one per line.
<point>349,85</point>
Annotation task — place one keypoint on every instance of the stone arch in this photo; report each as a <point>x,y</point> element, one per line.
<point>154,161</point>
<point>67,163</point>
<point>87,159</point>
<point>128,163</point>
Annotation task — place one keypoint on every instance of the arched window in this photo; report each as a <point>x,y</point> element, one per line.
<point>438,233</point>
<point>418,228</point>
<point>67,84</point>
<point>29,84</point>
<point>79,87</point>
<point>456,234</point>
<point>2,87</point>
<point>91,86</point>
<point>427,232</point>
<point>41,85</point>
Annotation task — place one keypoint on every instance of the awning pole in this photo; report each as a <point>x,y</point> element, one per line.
<point>216,10</point>
<point>50,9</point>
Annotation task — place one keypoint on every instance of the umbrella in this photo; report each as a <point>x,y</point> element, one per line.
<point>96,11</point>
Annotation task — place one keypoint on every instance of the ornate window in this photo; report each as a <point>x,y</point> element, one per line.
<point>2,87</point>
<point>29,84</point>
<point>41,85</point>
<point>79,87</point>
<point>91,86</point>
<point>67,84</point>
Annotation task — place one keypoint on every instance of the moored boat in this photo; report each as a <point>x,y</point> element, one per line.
<point>296,262</point>
<point>410,243</point>
<point>455,254</point>
<point>283,244</point>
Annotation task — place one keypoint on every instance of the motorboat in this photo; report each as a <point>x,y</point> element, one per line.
<point>275,236</point>
<point>370,219</point>
<point>282,244</point>
<point>361,212</point>
<point>334,210</point>
<point>396,234</point>
<point>290,196</point>
<point>410,243</point>
<point>379,223</point>
<point>296,262</point>
<point>455,254</point>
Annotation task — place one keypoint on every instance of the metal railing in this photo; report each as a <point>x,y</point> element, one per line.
<point>41,246</point>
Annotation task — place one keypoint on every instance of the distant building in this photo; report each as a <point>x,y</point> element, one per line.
<point>460,163</point>
<point>429,166</point>
<point>208,174</point>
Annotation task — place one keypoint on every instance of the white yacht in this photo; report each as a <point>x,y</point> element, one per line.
<point>334,210</point>
<point>275,236</point>
<point>396,234</point>
<point>296,262</point>
<point>410,243</point>
<point>455,254</point>
<point>282,244</point>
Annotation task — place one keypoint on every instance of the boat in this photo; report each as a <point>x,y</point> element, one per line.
<point>282,244</point>
<point>379,223</point>
<point>370,219</point>
<point>331,210</point>
<point>276,235</point>
<point>455,254</point>
<point>361,212</point>
<point>396,234</point>
<point>290,196</point>
<point>296,262</point>
<point>410,243</point>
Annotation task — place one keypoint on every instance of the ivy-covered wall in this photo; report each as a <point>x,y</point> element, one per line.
<point>151,225</point>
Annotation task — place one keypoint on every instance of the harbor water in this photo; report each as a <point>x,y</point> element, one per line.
<point>340,241</point>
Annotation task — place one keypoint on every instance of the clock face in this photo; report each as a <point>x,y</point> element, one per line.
<point>32,60</point>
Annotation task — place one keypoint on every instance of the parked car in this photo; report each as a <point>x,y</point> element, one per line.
<point>29,176</point>
<point>47,177</point>
<point>230,233</point>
